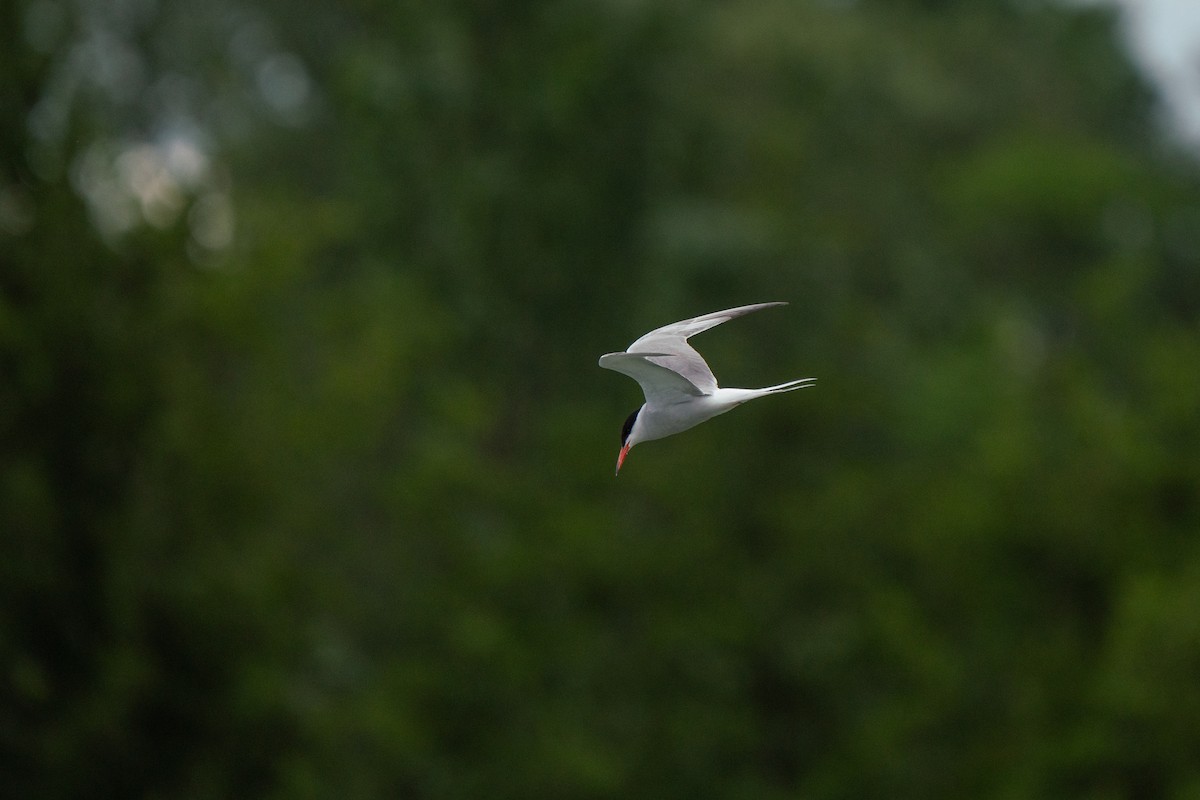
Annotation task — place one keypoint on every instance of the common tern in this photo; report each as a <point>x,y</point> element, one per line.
<point>681,391</point>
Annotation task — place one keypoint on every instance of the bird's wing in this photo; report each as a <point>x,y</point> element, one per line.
<point>678,356</point>
<point>661,385</point>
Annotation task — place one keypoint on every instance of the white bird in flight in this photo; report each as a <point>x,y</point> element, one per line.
<point>681,391</point>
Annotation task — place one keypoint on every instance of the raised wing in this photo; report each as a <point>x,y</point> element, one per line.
<point>661,385</point>
<point>676,355</point>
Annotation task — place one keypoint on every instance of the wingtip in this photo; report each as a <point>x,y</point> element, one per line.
<point>610,357</point>
<point>632,354</point>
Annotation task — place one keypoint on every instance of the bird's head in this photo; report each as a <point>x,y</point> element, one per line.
<point>628,439</point>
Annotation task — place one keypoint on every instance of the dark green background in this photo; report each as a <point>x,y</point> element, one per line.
<point>327,510</point>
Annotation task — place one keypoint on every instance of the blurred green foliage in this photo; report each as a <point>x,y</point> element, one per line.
<point>305,463</point>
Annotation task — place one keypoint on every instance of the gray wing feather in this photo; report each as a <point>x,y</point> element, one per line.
<point>669,347</point>
<point>661,385</point>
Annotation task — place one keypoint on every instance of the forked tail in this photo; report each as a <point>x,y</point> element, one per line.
<point>802,383</point>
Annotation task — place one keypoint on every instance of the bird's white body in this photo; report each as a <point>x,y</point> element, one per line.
<point>681,391</point>
<point>661,421</point>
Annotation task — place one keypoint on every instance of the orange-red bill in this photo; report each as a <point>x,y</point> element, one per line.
<point>621,457</point>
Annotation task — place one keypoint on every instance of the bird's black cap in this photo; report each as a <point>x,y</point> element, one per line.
<point>628,426</point>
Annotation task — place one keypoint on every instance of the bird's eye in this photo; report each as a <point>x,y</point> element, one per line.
<point>628,426</point>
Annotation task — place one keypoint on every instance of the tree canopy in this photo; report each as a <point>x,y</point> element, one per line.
<point>306,464</point>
